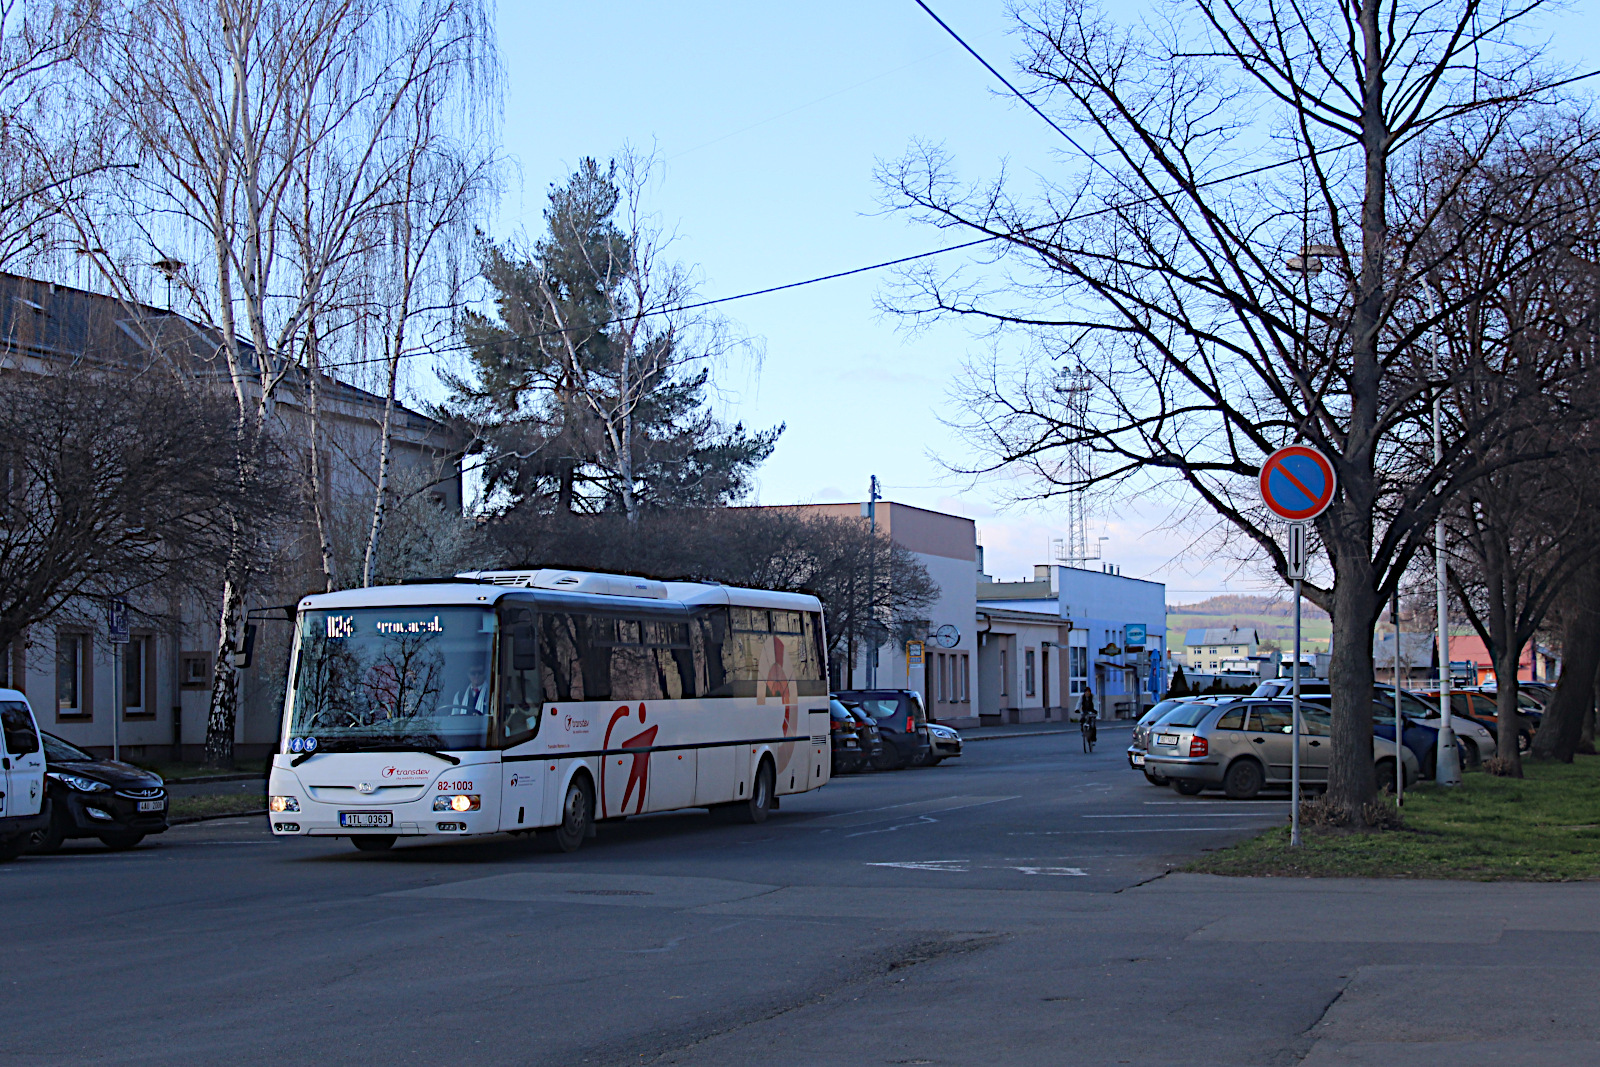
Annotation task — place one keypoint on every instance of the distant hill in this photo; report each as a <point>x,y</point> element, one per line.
<point>1272,617</point>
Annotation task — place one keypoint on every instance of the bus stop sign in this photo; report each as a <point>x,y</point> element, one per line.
<point>1297,483</point>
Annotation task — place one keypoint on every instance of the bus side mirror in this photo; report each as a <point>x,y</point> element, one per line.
<point>245,653</point>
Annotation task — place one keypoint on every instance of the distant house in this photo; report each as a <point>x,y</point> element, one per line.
<point>1417,658</point>
<point>1537,664</point>
<point>1219,648</point>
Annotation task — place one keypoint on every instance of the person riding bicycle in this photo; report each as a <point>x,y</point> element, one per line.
<point>1088,721</point>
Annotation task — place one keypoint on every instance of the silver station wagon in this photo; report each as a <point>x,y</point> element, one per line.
<point>1243,746</point>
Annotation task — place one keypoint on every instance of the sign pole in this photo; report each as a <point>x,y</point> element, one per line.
<point>1294,786</point>
<point>116,698</point>
<point>1399,764</point>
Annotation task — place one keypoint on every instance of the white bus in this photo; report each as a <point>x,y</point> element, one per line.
<point>521,700</point>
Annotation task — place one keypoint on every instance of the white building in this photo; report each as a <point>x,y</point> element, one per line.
<point>1218,648</point>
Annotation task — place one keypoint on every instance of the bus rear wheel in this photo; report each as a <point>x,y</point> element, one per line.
<point>577,814</point>
<point>759,806</point>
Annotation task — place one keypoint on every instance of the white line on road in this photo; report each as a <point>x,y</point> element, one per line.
<point>965,867</point>
<point>1188,814</point>
<point>1158,830</point>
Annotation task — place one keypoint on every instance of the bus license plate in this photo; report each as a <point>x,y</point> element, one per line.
<point>366,818</point>
<point>152,805</point>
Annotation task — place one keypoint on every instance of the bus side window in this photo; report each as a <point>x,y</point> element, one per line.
<point>560,665</point>
<point>710,633</point>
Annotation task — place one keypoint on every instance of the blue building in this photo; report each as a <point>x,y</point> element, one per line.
<point>1043,642</point>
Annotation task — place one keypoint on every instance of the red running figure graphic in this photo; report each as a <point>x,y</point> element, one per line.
<point>639,773</point>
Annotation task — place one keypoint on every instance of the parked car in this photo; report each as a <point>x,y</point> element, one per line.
<point>1480,708</point>
<point>1242,746</point>
<point>1138,748</point>
<point>117,802</point>
<point>945,741</point>
<point>845,730</point>
<point>23,807</point>
<point>871,736</point>
<point>1475,742</point>
<point>901,720</point>
<point>1274,688</point>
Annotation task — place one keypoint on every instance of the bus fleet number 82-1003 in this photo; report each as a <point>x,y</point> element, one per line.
<point>459,787</point>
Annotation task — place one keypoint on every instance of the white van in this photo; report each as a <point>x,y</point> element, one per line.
<point>21,775</point>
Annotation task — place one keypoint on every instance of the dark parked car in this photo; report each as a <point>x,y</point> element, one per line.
<point>901,720</point>
<point>871,736</point>
<point>116,802</point>
<point>849,753</point>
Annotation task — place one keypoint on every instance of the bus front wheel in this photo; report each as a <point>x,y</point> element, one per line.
<point>577,814</point>
<point>373,842</point>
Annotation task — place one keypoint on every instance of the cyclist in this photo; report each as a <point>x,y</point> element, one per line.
<point>1088,723</point>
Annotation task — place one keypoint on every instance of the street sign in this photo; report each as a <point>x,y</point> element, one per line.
<point>117,621</point>
<point>1297,483</point>
<point>1134,634</point>
<point>1295,550</point>
<point>914,653</point>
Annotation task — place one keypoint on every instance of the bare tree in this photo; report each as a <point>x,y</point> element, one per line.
<point>113,482</point>
<point>272,136</point>
<point>1229,270</point>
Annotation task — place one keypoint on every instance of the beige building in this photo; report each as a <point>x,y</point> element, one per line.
<point>1219,648</point>
<point>159,709</point>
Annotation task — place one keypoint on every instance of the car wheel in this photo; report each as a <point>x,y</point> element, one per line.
<point>1384,769</point>
<point>121,842</point>
<point>1469,751</point>
<point>49,839</point>
<point>1186,787</point>
<point>759,806</point>
<point>1524,742</point>
<point>373,842</point>
<point>577,814</point>
<point>888,759</point>
<point>933,761</point>
<point>1243,780</point>
<point>12,847</point>
<point>1153,780</point>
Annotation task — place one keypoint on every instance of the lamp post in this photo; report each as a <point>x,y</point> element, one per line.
<point>1447,761</point>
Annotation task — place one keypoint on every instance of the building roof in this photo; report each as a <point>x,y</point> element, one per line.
<point>1220,635</point>
<point>55,324</point>
<point>1416,650</point>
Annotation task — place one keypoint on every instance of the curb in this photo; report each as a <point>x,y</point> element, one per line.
<point>206,779</point>
<point>1021,733</point>
<point>219,815</point>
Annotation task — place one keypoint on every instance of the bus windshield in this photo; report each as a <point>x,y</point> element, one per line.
<point>369,679</point>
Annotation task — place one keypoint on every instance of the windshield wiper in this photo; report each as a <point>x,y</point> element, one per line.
<point>426,750</point>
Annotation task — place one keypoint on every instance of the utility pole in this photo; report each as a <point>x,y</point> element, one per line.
<point>1447,761</point>
<point>872,585</point>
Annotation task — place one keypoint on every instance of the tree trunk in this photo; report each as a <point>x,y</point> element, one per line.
<point>1586,738</point>
<point>1560,732</point>
<point>1507,721</point>
<point>320,494</point>
<point>1352,782</point>
<point>385,450</point>
<point>224,681</point>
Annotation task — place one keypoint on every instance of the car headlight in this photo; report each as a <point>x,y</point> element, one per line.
<point>459,802</point>
<point>283,804</point>
<point>80,783</point>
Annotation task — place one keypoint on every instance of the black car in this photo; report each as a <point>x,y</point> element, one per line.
<point>871,736</point>
<point>901,721</point>
<point>849,753</point>
<point>116,802</point>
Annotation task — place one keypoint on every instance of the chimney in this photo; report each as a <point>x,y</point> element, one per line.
<point>1041,572</point>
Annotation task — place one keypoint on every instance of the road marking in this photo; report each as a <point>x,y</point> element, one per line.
<point>1186,815</point>
<point>965,867</point>
<point>1159,830</point>
<point>953,866</point>
<point>924,818</point>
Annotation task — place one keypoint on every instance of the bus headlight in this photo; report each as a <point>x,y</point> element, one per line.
<point>283,804</point>
<point>459,802</point>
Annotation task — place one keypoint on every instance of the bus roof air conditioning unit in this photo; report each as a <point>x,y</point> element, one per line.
<point>575,582</point>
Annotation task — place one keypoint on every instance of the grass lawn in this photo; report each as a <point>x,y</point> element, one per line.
<point>173,771</point>
<point>1543,828</point>
<point>230,804</point>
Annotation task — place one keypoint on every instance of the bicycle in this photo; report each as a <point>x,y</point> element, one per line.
<point>1090,731</point>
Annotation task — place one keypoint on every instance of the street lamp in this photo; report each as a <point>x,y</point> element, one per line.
<point>1447,761</point>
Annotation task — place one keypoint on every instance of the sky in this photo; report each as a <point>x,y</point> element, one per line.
<point>770,121</point>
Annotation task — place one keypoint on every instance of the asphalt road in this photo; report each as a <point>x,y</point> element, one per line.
<point>1009,906</point>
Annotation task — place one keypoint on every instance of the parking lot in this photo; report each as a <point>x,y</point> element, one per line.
<point>1013,902</point>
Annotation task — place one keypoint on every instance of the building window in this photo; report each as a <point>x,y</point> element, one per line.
<point>1027,673</point>
<point>72,689</point>
<point>1077,669</point>
<point>138,688</point>
<point>196,671</point>
<point>965,684</point>
<point>1005,681</point>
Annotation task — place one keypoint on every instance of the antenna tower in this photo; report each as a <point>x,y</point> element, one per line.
<point>1074,386</point>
